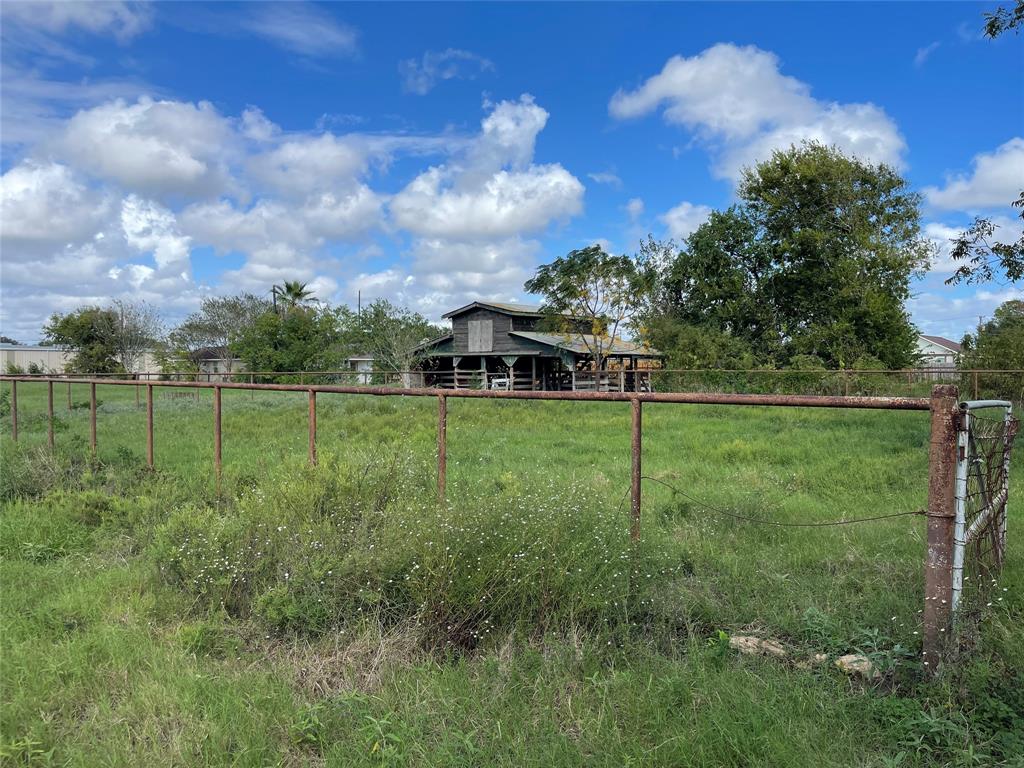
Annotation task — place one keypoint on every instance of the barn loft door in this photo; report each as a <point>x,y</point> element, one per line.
<point>481,335</point>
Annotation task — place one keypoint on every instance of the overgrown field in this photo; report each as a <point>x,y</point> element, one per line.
<point>339,616</point>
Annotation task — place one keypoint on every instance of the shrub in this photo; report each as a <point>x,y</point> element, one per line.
<point>347,544</point>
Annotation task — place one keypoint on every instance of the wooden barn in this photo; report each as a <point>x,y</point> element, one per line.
<point>503,346</point>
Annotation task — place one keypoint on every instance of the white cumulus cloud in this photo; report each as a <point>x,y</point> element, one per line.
<point>154,147</point>
<point>682,220</point>
<point>736,99</point>
<point>996,180</point>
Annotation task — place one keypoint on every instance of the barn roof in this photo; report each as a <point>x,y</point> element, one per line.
<point>579,344</point>
<point>523,310</point>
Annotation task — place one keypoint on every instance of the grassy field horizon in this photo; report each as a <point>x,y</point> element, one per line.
<point>339,616</point>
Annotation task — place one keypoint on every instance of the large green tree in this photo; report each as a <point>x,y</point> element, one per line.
<point>219,321</point>
<point>85,333</point>
<point>301,339</point>
<point>391,334</point>
<point>815,259</point>
<point>998,344</point>
<point>590,295</point>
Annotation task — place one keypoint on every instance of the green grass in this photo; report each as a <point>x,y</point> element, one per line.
<point>337,616</point>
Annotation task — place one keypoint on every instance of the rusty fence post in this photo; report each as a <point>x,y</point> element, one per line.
<point>217,435</point>
<point>938,573</point>
<point>635,446</point>
<point>975,385</point>
<point>137,395</point>
<point>149,426</point>
<point>312,427</point>
<point>69,397</point>
<point>49,413</point>
<point>14,410</point>
<point>92,418</point>
<point>442,447</point>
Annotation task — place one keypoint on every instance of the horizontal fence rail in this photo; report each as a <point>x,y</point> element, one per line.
<point>979,382</point>
<point>943,405</point>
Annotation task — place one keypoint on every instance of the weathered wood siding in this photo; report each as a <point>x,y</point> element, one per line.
<point>481,335</point>
<point>501,324</point>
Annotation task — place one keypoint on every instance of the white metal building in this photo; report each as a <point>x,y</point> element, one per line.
<point>25,357</point>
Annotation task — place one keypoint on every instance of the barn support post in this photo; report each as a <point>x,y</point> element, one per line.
<point>635,445</point>
<point>442,447</point>
<point>938,574</point>
<point>49,413</point>
<point>217,436</point>
<point>14,410</point>
<point>149,426</point>
<point>92,418</point>
<point>312,427</point>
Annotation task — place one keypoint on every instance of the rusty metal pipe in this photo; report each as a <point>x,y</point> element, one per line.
<point>635,490</point>
<point>14,410</point>
<point>92,418</point>
<point>692,398</point>
<point>217,436</point>
<point>312,427</point>
<point>938,573</point>
<point>49,414</point>
<point>149,426</point>
<point>442,447</point>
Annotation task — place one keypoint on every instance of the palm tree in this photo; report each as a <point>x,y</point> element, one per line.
<point>292,294</point>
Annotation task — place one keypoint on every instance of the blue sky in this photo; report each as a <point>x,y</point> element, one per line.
<point>433,154</point>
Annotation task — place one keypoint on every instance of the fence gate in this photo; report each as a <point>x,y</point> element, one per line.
<point>985,435</point>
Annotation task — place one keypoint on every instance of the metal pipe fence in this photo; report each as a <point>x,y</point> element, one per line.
<point>944,529</point>
<point>979,382</point>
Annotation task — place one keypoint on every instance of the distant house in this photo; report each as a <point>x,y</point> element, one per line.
<point>364,365</point>
<point>212,362</point>
<point>937,352</point>
<point>504,346</point>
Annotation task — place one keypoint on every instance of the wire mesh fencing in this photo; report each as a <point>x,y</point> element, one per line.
<point>985,435</point>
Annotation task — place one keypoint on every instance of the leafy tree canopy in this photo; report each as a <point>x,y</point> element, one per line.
<point>982,258</point>
<point>599,288</point>
<point>999,343</point>
<point>302,339</point>
<point>220,321</point>
<point>389,333</point>
<point>84,332</point>
<point>1004,20</point>
<point>815,259</point>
